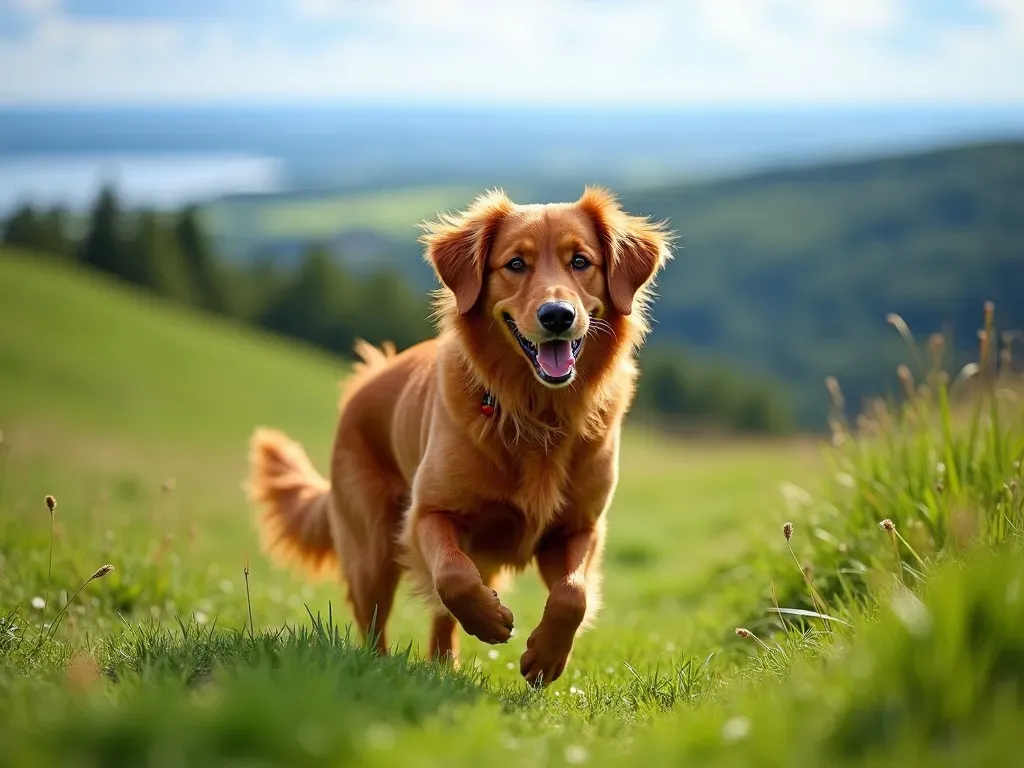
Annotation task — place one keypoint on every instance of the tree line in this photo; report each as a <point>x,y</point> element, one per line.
<point>170,255</point>
<point>319,300</point>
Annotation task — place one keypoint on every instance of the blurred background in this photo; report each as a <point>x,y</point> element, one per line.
<point>824,163</point>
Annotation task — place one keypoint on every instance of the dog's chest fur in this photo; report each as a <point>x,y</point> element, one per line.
<point>531,493</point>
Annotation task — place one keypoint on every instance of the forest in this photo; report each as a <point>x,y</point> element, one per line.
<point>318,300</point>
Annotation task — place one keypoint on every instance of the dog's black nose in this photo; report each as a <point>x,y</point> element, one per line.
<point>556,316</point>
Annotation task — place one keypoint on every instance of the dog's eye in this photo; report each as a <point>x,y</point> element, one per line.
<point>580,262</point>
<point>516,265</point>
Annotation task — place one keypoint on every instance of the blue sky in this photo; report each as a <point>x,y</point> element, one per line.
<point>621,52</point>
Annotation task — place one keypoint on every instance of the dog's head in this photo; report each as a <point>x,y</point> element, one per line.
<point>551,277</point>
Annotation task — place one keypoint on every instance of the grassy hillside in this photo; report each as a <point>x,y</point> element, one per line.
<point>135,416</point>
<point>106,394</point>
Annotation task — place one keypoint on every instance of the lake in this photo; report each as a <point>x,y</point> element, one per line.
<point>162,180</point>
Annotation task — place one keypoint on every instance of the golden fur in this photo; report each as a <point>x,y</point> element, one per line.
<point>423,482</point>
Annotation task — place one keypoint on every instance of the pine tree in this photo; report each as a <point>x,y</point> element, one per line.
<point>200,265</point>
<point>158,262</point>
<point>391,311</point>
<point>22,228</point>
<point>103,247</point>
<point>55,238</point>
<point>44,233</point>
<point>315,305</point>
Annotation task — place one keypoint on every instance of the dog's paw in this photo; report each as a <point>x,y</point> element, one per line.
<point>481,614</point>
<point>545,657</point>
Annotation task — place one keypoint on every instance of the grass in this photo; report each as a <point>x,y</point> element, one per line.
<point>194,650</point>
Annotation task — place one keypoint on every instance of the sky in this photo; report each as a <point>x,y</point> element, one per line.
<point>586,52</point>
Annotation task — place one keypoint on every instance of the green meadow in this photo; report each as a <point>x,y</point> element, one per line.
<point>859,645</point>
<point>387,213</point>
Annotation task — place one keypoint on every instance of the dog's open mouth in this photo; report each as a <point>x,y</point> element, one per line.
<point>554,360</point>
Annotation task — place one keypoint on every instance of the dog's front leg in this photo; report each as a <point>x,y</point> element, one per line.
<point>564,560</point>
<point>458,581</point>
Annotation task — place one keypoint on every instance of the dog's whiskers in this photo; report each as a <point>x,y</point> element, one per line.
<point>598,326</point>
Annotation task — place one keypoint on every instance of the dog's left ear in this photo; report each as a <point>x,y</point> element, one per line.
<point>457,246</point>
<point>635,248</point>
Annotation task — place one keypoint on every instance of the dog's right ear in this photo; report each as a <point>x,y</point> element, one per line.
<point>457,246</point>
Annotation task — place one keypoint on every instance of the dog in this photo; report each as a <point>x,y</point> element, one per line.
<point>491,446</point>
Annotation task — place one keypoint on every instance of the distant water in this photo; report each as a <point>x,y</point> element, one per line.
<point>165,156</point>
<point>160,180</point>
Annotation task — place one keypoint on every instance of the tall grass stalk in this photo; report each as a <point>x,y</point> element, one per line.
<point>248,598</point>
<point>940,461</point>
<point>819,602</point>
<point>51,505</point>
<point>100,572</point>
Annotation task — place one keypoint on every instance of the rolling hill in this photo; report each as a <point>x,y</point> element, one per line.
<point>83,354</point>
<point>788,274</point>
<point>792,273</point>
<point>106,393</point>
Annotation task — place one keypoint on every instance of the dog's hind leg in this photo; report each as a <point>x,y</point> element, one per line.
<point>369,500</point>
<point>371,592</point>
<point>444,637</point>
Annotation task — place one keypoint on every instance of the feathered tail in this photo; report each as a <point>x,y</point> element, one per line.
<point>295,500</point>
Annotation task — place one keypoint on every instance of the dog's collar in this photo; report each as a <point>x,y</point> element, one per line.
<point>489,404</point>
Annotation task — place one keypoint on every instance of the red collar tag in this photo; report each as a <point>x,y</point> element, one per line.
<point>488,404</point>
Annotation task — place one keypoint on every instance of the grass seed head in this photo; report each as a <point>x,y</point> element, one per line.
<point>51,503</point>
<point>1005,357</point>
<point>787,530</point>
<point>834,391</point>
<point>741,632</point>
<point>838,433</point>
<point>906,379</point>
<point>102,571</point>
<point>936,347</point>
<point>897,322</point>
<point>887,525</point>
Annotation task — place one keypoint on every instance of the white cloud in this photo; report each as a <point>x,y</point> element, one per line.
<point>687,51</point>
<point>109,39</point>
<point>1011,16</point>
<point>36,6</point>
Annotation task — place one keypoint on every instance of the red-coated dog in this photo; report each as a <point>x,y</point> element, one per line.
<point>494,444</point>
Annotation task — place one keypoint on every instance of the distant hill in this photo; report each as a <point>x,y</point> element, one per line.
<point>789,273</point>
<point>793,272</point>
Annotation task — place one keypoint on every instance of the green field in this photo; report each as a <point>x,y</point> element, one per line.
<point>135,416</point>
<point>391,213</point>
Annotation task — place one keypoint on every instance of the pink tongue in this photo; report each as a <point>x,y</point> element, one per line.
<point>555,358</point>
